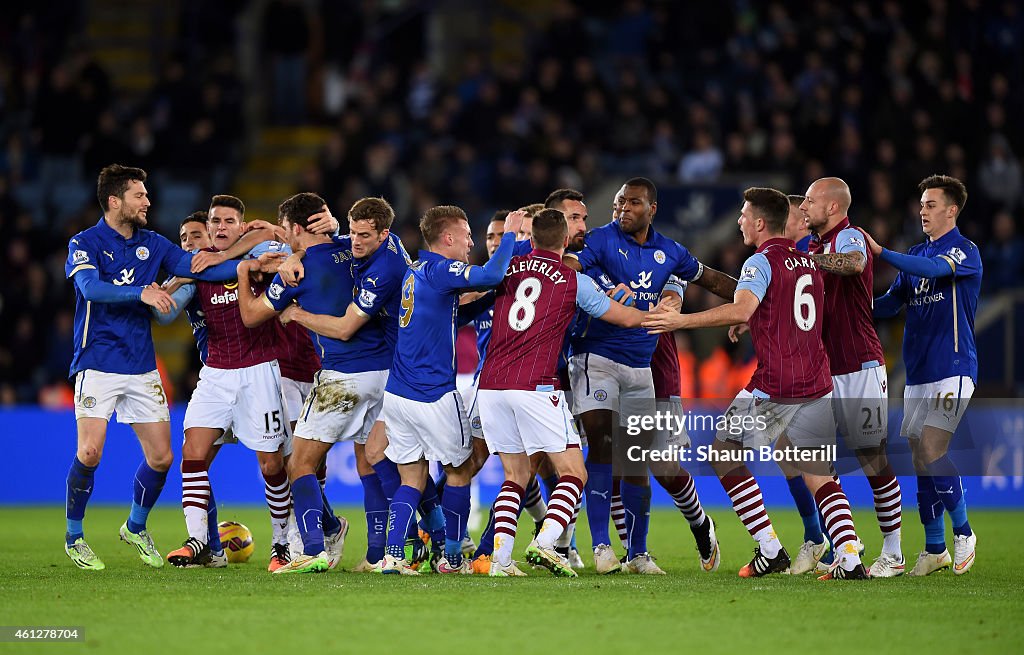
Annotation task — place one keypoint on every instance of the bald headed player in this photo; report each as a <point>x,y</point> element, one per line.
<point>856,362</point>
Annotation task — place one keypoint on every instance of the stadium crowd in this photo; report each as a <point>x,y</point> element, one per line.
<point>881,94</point>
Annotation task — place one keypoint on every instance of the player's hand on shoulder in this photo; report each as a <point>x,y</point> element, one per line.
<point>323,223</point>
<point>156,297</point>
<point>514,221</point>
<point>204,259</point>
<point>873,246</point>
<point>736,330</point>
<point>622,295</point>
<point>291,269</point>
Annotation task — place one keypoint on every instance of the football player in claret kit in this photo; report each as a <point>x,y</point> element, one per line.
<point>860,399</point>
<point>523,408</point>
<point>423,411</point>
<point>779,295</point>
<point>939,282</point>
<point>114,266</point>
<point>239,389</point>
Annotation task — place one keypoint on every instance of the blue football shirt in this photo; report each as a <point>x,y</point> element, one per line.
<point>644,268</point>
<point>327,288</point>
<point>938,340</point>
<point>378,285</point>
<point>117,337</point>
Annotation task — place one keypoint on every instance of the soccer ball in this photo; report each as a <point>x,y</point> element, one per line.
<point>237,541</point>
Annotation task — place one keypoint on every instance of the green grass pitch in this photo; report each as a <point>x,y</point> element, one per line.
<point>245,610</point>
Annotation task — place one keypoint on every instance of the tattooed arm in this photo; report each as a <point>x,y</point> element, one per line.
<point>841,263</point>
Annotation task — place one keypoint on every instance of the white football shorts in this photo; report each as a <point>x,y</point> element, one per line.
<point>517,421</point>
<point>437,431</point>
<point>938,404</point>
<point>342,406</point>
<point>136,398</point>
<point>247,401</point>
<point>861,406</point>
<point>599,383</point>
<point>757,422</point>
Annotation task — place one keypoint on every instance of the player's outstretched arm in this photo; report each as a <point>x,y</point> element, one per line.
<point>606,306</point>
<point>335,327</point>
<point>94,290</point>
<point>205,259</point>
<point>182,296</point>
<point>493,272</point>
<point>254,309</point>
<point>717,282</point>
<point>930,267</point>
<point>663,319</point>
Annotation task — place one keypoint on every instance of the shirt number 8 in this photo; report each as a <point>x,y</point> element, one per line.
<point>524,309</point>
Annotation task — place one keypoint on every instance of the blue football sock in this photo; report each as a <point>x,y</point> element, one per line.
<point>212,529</point>
<point>401,515</point>
<point>930,507</point>
<point>598,492</point>
<point>636,500</point>
<point>456,515</point>
<point>79,488</point>
<point>807,508</point>
<point>432,520</point>
<point>549,485</point>
<point>486,546</point>
<point>390,480</point>
<point>148,485</point>
<point>950,490</point>
<point>331,524</point>
<point>309,513</point>
<point>375,505</point>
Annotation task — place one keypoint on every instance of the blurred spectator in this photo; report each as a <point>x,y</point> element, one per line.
<point>703,163</point>
<point>286,36</point>
<point>1000,174</point>
<point>1003,257</point>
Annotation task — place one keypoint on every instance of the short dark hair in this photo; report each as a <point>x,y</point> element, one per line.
<point>436,219</point>
<point>549,229</point>
<point>952,188</point>
<point>558,196</point>
<point>500,215</point>
<point>114,180</point>
<point>299,208</point>
<point>376,210</point>
<point>773,205</point>
<point>195,217</point>
<point>652,191</point>
<point>231,202</point>
<point>796,200</point>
